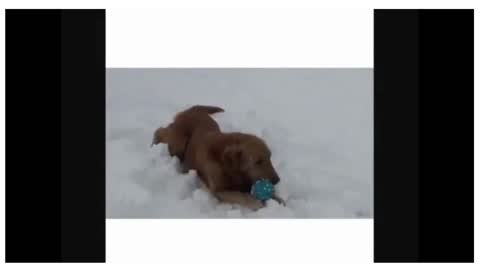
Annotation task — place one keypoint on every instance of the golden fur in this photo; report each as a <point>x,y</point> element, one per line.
<point>228,163</point>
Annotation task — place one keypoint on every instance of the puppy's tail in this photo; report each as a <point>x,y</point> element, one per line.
<point>205,109</point>
<point>198,109</point>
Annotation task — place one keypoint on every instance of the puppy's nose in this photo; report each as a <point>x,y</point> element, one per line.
<point>275,180</point>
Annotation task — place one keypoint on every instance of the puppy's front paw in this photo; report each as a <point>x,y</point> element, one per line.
<point>254,204</point>
<point>279,200</point>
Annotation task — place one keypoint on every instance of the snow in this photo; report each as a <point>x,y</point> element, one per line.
<point>317,122</point>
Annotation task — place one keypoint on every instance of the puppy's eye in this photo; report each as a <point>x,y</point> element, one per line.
<point>259,162</point>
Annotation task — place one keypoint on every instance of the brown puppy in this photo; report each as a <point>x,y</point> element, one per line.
<point>228,163</point>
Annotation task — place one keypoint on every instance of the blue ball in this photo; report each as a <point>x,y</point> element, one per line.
<point>262,190</point>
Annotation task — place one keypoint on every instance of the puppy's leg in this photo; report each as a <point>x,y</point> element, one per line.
<point>240,198</point>
<point>160,136</point>
<point>174,138</point>
<point>216,184</point>
<point>183,168</point>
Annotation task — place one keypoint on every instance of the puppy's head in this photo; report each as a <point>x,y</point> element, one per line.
<point>251,158</point>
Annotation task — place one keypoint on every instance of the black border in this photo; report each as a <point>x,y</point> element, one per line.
<point>32,134</point>
<point>423,68</point>
<point>55,130</point>
<point>446,136</point>
<point>396,109</point>
<point>83,135</point>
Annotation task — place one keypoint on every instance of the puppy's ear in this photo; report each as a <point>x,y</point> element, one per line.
<point>160,136</point>
<point>233,157</point>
